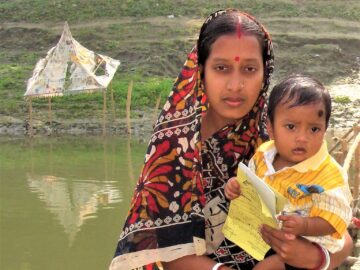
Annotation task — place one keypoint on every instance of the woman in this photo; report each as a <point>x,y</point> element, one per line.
<point>213,119</point>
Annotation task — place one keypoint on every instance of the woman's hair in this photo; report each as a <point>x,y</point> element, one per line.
<point>227,22</point>
<point>299,90</point>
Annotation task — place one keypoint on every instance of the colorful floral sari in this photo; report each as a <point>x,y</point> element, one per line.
<point>179,207</point>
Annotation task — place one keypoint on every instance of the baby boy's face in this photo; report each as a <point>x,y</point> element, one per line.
<point>298,131</point>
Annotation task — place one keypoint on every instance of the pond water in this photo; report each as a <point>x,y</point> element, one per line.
<point>64,200</point>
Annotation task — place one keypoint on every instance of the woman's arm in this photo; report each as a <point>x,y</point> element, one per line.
<point>192,262</point>
<point>288,247</point>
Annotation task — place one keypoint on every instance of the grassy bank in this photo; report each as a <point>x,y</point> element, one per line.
<point>86,10</point>
<point>315,37</point>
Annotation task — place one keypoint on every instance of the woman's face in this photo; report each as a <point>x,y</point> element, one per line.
<point>233,77</point>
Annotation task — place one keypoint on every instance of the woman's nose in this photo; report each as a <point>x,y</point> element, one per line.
<point>235,83</point>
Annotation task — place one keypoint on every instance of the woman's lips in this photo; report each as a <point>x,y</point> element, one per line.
<point>234,102</point>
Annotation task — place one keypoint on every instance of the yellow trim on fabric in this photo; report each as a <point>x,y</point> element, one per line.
<point>335,221</point>
<point>311,163</point>
<point>266,146</point>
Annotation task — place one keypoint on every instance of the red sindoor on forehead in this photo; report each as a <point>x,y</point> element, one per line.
<point>239,34</point>
<point>238,28</point>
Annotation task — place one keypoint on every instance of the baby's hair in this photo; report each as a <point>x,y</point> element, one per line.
<point>299,90</point>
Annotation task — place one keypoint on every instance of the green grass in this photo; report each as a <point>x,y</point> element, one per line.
<point>144,94</point>
<point>342,99</point>
<point>85,10</point>
<point>152,53</point>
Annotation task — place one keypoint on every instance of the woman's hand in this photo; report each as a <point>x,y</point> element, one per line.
<point>288,247</point>
<point>232,189</point>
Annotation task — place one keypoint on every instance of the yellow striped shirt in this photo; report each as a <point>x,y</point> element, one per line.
<point>314,187</point>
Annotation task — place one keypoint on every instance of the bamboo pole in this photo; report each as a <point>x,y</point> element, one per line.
<point>32,165</point>
<point>104,113</point>
<point>156,109</point>
<point>338,156</point>
<point>344,150</point>
<point>30,131</point>
<point>129,160</point>
<point>128,106</point>
<point>112,103</point>
<point>357,166</point>
<point>351,153</point>
<point>49,113</point>
<point>105,153</point>
<point>343,137</point>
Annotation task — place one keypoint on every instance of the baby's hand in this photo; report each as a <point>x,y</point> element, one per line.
<point>294,224</point>
<point>232,189</point>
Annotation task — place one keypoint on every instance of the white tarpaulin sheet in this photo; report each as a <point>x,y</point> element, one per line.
<point>69,68</point>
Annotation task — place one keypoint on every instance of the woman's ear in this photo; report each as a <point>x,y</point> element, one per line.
<point>201,70</point>
<point>270,129</point>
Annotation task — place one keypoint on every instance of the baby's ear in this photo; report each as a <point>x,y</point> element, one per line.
<point>270,129</point>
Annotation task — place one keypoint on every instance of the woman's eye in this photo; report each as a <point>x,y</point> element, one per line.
<point>220,67</point>
<point>290,126</point>
<point>250,69</point>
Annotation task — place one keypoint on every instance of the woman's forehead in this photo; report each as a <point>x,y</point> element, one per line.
<point>247,47</point>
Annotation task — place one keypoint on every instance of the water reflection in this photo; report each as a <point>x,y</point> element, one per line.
<point>72,201</point>
<point>64,200</point>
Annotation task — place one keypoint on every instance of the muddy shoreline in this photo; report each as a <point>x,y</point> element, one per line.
<point>343,117</point>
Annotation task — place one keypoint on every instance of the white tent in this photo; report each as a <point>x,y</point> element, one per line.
<point>70,68</point>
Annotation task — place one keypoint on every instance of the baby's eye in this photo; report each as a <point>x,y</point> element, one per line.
<point>315,129</point>
<point>290,126</point>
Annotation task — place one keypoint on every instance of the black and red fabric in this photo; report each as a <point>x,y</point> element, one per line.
<point>178,207</point>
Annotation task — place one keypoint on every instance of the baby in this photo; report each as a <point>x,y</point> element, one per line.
<point>297,164</point>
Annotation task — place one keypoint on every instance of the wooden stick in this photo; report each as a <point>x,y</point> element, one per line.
<point>129,160</point>
<point>351,153</point>
<point>30,131</point>
<point>49,114</point>
<point>104,112</point>
<point>105,153</point>
<point>338,155</point>
<point>128,106</point>
<point>357,166</point>
<point>156,109</point>
<point>344,150</point>
<point>112,103</point>
<point>343,137</point>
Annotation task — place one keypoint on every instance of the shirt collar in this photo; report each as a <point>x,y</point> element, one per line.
<point>269,150</point>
